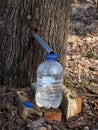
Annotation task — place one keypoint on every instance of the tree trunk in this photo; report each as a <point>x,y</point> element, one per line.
<point>19,19</point>
<point>97,6</point>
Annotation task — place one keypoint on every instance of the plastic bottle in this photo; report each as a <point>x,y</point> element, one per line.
<point>49,82</point>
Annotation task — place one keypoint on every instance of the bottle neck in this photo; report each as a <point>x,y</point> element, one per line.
<point>52,57</point>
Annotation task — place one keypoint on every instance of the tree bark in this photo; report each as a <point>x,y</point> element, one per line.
<point>20,55</point>
<point>97,6</point>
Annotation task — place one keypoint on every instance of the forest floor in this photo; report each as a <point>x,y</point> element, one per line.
<point>82,62</point>
<point>81,75</point>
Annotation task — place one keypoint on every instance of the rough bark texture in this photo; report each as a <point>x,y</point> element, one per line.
<point>19,19</point>
<point>97,6</point>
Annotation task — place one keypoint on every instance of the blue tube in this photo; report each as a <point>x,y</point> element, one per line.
<point>43,43</point>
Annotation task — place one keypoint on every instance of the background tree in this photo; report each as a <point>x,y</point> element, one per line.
<point>97,6</point>
<point>19,19</point>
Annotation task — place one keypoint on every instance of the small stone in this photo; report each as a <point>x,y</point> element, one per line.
<point>52,114</point>
<point>71,104</point>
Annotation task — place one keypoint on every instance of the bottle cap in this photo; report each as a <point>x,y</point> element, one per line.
<point>52,56</point>
<point>28,104</point>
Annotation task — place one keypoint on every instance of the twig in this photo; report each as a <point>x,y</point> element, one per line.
<point>90,95</point>
<point>88,88</point>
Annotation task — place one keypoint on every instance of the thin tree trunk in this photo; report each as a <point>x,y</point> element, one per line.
<point>97,6</point>
<point>20,54</point>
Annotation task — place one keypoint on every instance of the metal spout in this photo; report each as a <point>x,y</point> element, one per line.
<point>43,43</point>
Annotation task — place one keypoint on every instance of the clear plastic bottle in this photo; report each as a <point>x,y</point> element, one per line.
<point>49,82</point>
